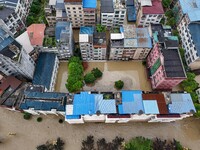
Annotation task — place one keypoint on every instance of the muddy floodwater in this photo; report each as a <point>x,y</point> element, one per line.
<point>133,74</point>
<point>30,133</point>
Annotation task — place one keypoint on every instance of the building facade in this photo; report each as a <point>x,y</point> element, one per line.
<point>14,13</point>
<point>129,43</point>
<point>13,58</point>
<point>128,106</point>
<point>188,26</point>
<point>81,12</point>
<point>149,11</point>
<point>92,44</point>
<point>64,38</point>
<point>113,13</point>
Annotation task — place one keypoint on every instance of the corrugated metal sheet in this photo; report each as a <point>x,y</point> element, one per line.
<point>150,107</point>
<point>89,3</point>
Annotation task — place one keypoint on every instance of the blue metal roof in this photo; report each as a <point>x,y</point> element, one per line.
<point>143,33</point>
<point>42,105</point>
<point>194,31</point>
<point>87,30</point>
<point>131,13</point>
<point>61,26</point>
<point>44,69</point>
<point>44,95</point>
<point>131,102</point>
<point>150,107</point>
<point>181,103</point>
<point>84,104</point>
<point>89,3</point>
<point>190,7</point>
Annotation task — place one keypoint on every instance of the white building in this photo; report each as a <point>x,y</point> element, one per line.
<point>149,11</point>
<point>128,106</point>
<point>92,44</point>
<point>113,13</point>
<point>13,14</point>
<point>189,28</point>
<point>14,59</point>
<point>129,43</point>
<point>65,40</point>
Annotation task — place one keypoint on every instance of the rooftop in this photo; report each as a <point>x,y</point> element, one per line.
<point>89,3</point>
<point>131,103</point>
<point>44,101</point>
<point>181,103</point>
<point>99,38</point>
<point>107,6</point>
<point>87,30</point>
<point>160,101</point>
<point>36,34</point>
<point>194,31</point>
<point>61,27</point>
<point>5,12</point>
<point>192,7</point>
<point>44,69</point>
<point>172,63</point>
<point>156,8</point>
<point>131,13</point>
<point>129,2</point>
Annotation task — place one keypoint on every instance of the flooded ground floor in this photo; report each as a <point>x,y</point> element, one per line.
<point>30,133</point>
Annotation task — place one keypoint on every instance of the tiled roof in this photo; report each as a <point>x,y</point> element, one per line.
<point>156,8</point>
<point>36,34</point>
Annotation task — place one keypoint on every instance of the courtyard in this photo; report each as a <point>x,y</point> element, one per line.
<point>133,73</point>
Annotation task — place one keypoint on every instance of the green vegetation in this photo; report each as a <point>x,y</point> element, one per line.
<point>119,84</point>
<point>75,77</point>
<point>49,42</point>
<point>36,14</point>
<point>166,3</point>
<point>39,119</point>
<point>1,7</point>
<point>115,30</point>
<point>100,28</point>
<point>139,143</point>
<point>52,145</point>
<point>97,73</point>
<point>89,78</point>
<point>27,116</point>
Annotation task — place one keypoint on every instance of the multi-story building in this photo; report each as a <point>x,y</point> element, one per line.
<point>131,11</point>
<point>128,106</point>
<point>46,71</point>
<point>81,12</point>
<point>92,44</point>
<point>13,14</point>
<point>55,11</point>
<point>64,38</point>
<point>189,27</point>
<point>149,11</point>
<point>164,62</point>
<point>113,13</point>
<point>129,43</point>
<point>35,101</point>
<point>14,60</point>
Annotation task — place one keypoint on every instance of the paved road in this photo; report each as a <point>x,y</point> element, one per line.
<point>30,133</point>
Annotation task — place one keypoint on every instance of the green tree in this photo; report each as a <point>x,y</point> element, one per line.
<point>139,143</point>
<point>100,28</point>
<point>89,78</point>
<point>119,84</point>
<point>97,73</point>
<point>169,13</point>
<point>171,21</point>
<point>27,116</point>
<point>75,59</point>
<point>75,69</point>
<point>166,3</point>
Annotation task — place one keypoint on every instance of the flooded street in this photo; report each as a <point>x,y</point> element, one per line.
<point>30,134</point>
<point>132,73</point>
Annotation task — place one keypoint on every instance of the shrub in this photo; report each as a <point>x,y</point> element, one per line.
<point>119,84</point>
<point>27,116</point>
<point>88,144</point>
<point>89,78</point>
<point>60,120</point>
<point>97,73</point>
<point>39,119</point>
<point>139,143</point>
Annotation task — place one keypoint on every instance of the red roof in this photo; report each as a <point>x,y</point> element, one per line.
<point>156,8</point>
<point>36,34</point>
<point>160,101</point>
